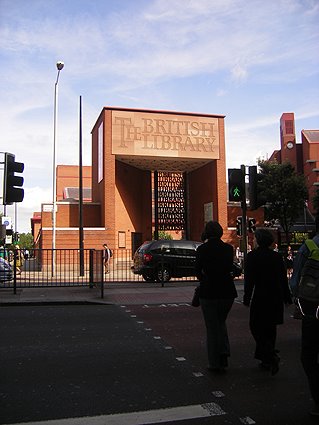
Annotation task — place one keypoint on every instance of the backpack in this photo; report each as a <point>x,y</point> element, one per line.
<point>308,289</point>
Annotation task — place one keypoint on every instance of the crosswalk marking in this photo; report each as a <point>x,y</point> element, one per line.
<point>170,414</point>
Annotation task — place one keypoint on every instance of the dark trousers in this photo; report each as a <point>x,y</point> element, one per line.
<point>310,353</point>
<point>215,314</point>
<point>265,338</point>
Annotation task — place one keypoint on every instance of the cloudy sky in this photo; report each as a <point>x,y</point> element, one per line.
<point>250,60</point>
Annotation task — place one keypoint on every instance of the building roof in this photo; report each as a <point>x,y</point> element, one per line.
<point>311,135</point>
<point>73,193</point>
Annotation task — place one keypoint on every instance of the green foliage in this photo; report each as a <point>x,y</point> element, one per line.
<point>315,201</point>
<point>26,241</point>
<point>163,235</point>
<point>285,192</point>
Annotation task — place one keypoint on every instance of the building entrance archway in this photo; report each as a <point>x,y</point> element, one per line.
<point>158,171</point>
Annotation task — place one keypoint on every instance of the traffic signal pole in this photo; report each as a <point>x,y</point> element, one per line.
<point>244,215</point>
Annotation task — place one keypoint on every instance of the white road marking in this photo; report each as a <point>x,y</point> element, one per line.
<point>247,420</point>
<point>149,417</point>
<point>218,394</point>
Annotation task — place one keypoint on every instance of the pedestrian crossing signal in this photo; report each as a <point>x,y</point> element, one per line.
<point>239,226</point>
<point>236,185</point>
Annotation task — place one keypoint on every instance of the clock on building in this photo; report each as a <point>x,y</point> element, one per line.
<point>290,145</point>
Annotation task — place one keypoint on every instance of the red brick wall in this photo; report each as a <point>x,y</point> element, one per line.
<point>125,193</point>
<point>208,184</point>
<point>200,191</point>
<point>220,194</point>
<point>69,238</point>
<point>133,201</point>
<point>68,176</point>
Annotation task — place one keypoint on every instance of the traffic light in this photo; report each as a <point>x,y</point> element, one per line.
<point>12,184</point>
<point>251,224</point>
<point>236,184</point>
<point>255,199</point>
<point>239,225</point>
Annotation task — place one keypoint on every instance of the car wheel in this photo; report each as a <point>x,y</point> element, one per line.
<point>148,278</point>
<point>163,274</point>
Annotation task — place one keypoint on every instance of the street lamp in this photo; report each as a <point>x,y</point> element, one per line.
<point>59,66</point>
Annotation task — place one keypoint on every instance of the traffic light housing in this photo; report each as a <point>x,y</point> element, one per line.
<point>236,184</point>
<point>239,225</point>
<point>251,224</point>
<point>12,184</point>
<point>255,199</point>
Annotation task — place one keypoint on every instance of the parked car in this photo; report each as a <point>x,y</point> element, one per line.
<point>6,273</point>
<point>159,261</point>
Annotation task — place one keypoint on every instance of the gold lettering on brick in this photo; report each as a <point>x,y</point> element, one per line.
<point>168,135</point>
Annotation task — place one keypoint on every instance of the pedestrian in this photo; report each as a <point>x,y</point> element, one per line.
<point>19,259</point>
<point>309,326</point>
<point>266,291</point>
<point>289,262</point>
<point>26,254</point>
<point>106,257</point>
<point>214,264</point>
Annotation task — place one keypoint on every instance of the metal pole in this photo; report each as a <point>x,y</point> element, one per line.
<point>81,236</point>
<point>54,195</point>
<point>156,205</point>
<point>244,215</point>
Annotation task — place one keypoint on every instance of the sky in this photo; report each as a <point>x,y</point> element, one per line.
<point>250,60</point>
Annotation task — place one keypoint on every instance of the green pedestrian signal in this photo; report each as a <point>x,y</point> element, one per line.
<point>236,185</point>
<point>236,192</point>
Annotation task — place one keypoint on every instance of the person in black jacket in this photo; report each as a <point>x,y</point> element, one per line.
<point>266,290</point>
<point>309,327</point>
<point>214,264</point>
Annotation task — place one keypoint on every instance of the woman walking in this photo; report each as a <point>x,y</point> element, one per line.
<point>266,291</point>
<point>214,265</point>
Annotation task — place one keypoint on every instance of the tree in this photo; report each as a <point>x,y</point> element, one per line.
<point>285,192</point>
<point>26,241</point>
<point>163,235</point>
<point>315,202</point>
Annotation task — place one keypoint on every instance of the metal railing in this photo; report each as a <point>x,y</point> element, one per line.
<point>36,269</point>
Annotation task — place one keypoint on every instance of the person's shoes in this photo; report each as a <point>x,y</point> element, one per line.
<point>315,411</point>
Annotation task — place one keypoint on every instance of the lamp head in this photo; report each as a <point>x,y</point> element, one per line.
<point>60,65</point>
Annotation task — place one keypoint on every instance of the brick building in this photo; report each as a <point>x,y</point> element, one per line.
<point>130,149</point>
<point>303,156</point>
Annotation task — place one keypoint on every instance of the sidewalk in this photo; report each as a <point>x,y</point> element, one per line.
<point>114,293</point>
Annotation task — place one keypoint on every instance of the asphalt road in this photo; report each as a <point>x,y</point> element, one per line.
<point>103,362</point>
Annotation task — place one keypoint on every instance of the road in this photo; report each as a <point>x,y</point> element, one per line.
<point>103,362</point>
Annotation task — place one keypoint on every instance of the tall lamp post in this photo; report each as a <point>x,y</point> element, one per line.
<point>59,66</point>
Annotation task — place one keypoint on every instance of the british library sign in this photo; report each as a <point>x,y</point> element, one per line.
<point>165,135</point>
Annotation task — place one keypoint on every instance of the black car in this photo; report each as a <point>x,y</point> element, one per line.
<point>158,261</point>
<point>163,259</point>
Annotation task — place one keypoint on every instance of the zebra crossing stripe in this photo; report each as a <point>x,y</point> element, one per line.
<point>170,414</point>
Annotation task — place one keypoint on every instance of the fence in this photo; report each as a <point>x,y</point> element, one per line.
<point>65,267</point>
<point>45,267</point>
